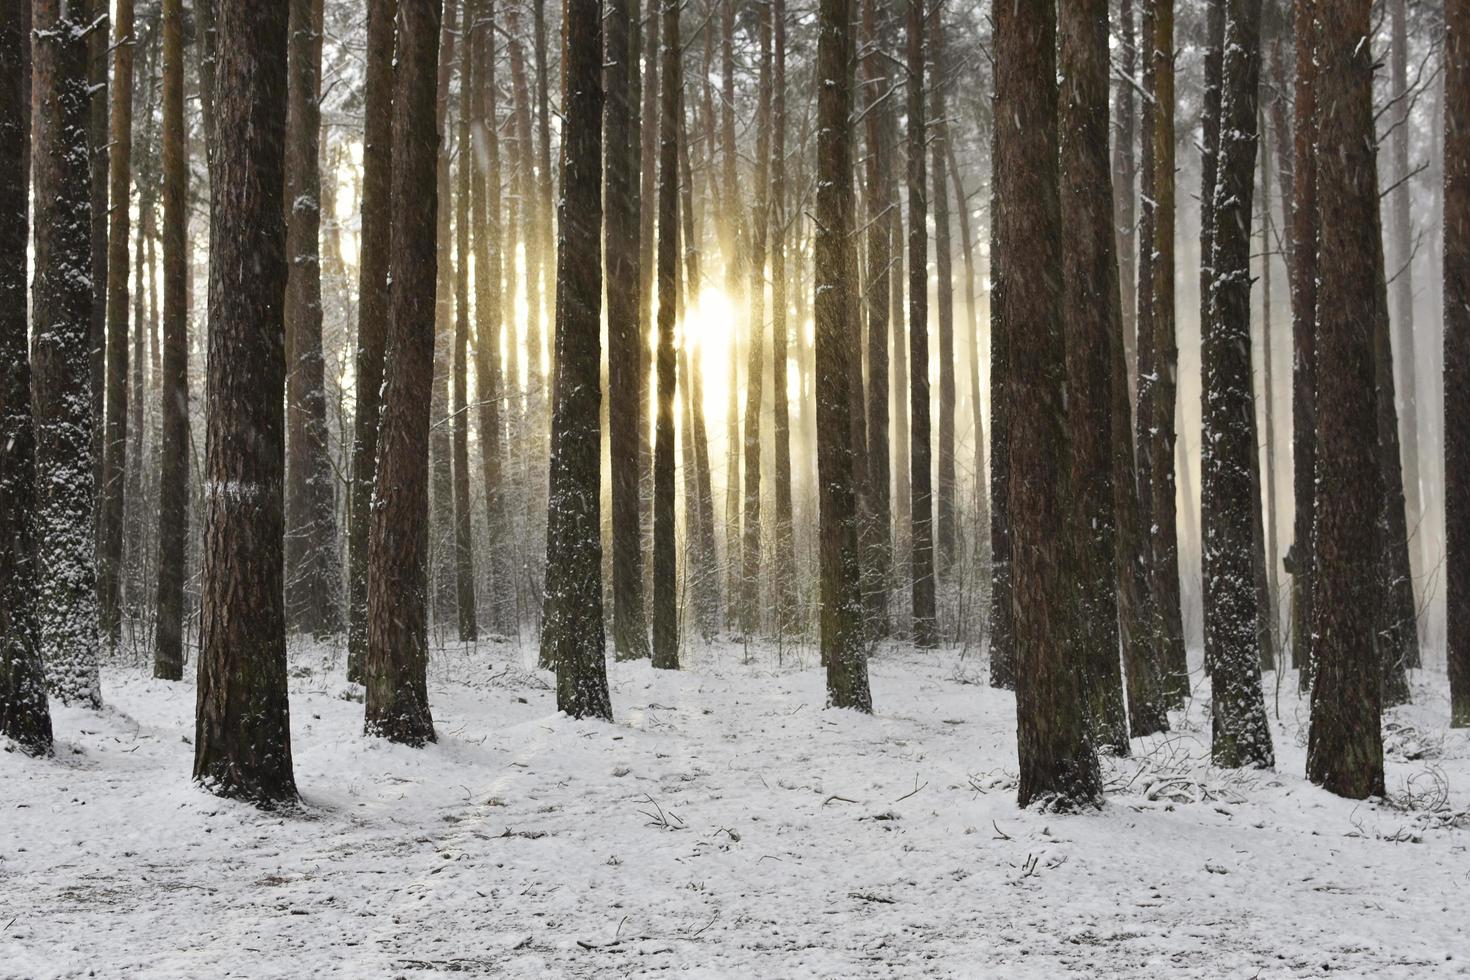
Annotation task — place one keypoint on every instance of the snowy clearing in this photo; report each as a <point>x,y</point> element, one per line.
<point>745,832</point>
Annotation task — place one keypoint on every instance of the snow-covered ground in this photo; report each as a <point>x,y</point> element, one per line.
<point>724,825</point>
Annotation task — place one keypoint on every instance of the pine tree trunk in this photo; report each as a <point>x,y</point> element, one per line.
<point>25,716</point>
<point>242,741</point>
<point>1402,276</point>
<point>62,305</point>
<point>1002,610</point>
<point>464,557</point>
<point>572,631</point>
<point>372,314</point>
<point>1304,230</point>
<point>784,566</point>
<point>1457,353</point>
<point>665,584</point>
<point>1090,285</point>
<point>624,340</point>
<point>397,703</point>
<point>1344,747</point>
<point>1057,761</point>
<point>311,521</point>
<point>489,317</point>
<point>841,602</point>
<point>173,480</point>
<point>1145,377</point>
<point>946,519</point>
<point>1166,354</point>
<point>980,520</point>
<point>441,441</point>
<point>922,519</point>
<point>98,142</point>
<point>733,249</point>
<point>1125,177</point>
<point>1241,734</point>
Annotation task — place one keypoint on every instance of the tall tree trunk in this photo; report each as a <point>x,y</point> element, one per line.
<point>1456,274</point>
<point>1268,584</point>
<point>1344,745</point>
<point>981,517</point>
<point>173,479</point>
<point>665,585</point>
<point>647,190</point>
<point>372,314</point>
<point>311,520</point>
<point>242,731</point>
<point>922,521</point>
<point>62,304</point>
<point>945,529</point>
<point>397,703</point>
<point>489,317</point>
<point>1002,634</point>
<point>1402,283</point>
<point>624,340</point>
<point>1241,734</point>
<point>25,715</point>
<point>547,257</point>
<point>1057,761</point>
<point>841,603</point>
<point>733,248</point>
<point>97,14</point>
<point>1166,354</point>
<point>784,566</point>
<point>572,632</point>
<point>1304,232</point>
<point>441,441</point>
<point>756,355</point>
<point>1090,285</point>
<point>1125,176</point>
<point>1145,373</point>
<point>114,463</point>
<point>464,557</point>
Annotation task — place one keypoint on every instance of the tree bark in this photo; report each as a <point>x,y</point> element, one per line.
<point>397,702</point>
<point>946,519</point>
<point>62,304</point>
<point>115,452</point>
<point>1344,747</point>
<point>784,566</point>
<point>98,142</point>
<point>665,586</point>
<point>464,556</point>
<point>173,480</point>
<point>841,601</point>
<point>1304,232</point>
<point>372,314</point>
<point>1456,274</point>
<point>1125,176</point>
<point>1089,290</point>
<point>1002,633</point>
<point>922,514</point>
<point>1058,765</point>
<point>1241,734</point>
<point>25,714</point>
<point>441,441</point>
<point>311,520</point>
<point>242,740</point>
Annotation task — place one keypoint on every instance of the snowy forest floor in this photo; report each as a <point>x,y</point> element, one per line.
<point>723,825</point>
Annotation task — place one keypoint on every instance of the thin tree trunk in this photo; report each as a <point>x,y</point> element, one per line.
<point>841,602</point>
<point>922,522</point>
<point>242,732</point>
<point>1057,761</point>
<point>1304,230</point>
<point>114,465</point>
<point>784,567</point>
<point>946,520</point>
<point>464,557</point>
<point>1145,374</point>
<point>1344,745</point>
<point>1241,734</point>
<point>441,441</point>
<point>311,521</point>
<point>665,584</point>
<point>732,246</point>
<point>1125,177</point>
<point>372,314</point>
<point>981,517</point>
<point>1002,610</point>
<point>1270,587</point>
<point>1090,285</point>
<point>173,480</point>
<point>1166,354</point>
<point>98,143</point>
<point>24,713</point>
<point>1456,274</point>
<point>397,702</point>
<point>624,340</point>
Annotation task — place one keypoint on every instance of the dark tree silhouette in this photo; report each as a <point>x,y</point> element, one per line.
<point>1304,318</point>
<point>1457,351</point>
<point>665,585</point>
<point>920,478</point>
